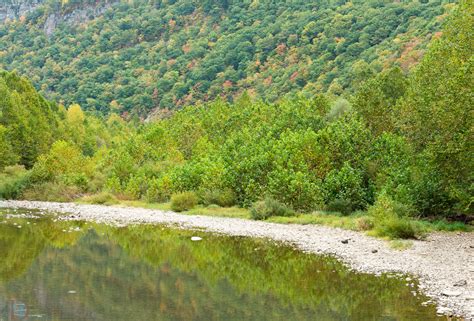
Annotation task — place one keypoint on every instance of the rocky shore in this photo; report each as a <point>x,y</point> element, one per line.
<point>443,263</point>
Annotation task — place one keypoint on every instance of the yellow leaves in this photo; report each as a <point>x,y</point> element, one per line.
<point>114,106</point>
<point>75,115</point>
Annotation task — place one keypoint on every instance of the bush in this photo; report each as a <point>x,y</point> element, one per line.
<point>365,223</point>
<point>13,181</point>
<point>391,219</point>
<point>345,187</point>
<point>340,205</point>
<point>159,189</point>
<point>297,189</point>
<point>75,179</point>
<point>104,198</point>
<point>183,201</point>
<point>223,198</point>
<point>52,192</point>
<point>113,185</point>
<point>64,162</point>
<point>135,187</point>
<point>262,210</point>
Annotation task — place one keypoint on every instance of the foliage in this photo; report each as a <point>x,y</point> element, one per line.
<point>224,198</point>
<point>403,138</point>
<point>52,192</point>
<point>391,219</point>
<point>103,198</point>
<point>269,207</point>
<point>141,55</point>
<point>345,190</point>
<point>28,123</point>
<point>13,181</point>
<point>376,100</point>
<point>64,163</point>
<point>436,114</point>
<point>184,201</point>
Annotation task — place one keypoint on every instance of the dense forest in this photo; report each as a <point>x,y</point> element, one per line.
<point>148,55</point>
<point>399,145</point>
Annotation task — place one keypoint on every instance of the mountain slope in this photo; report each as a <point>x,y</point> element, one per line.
<point>142,55</point>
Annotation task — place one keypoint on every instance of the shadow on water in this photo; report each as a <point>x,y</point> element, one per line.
<point>78,271</point>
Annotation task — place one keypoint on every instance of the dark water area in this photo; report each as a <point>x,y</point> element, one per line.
<point>57,270</point>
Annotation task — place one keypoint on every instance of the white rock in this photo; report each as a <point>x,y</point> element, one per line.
<point>470,296</point>
<point>442,310</point>
<point>451,293</point>
<point>196,238</point>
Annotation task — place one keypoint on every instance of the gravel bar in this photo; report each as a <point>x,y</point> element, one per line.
<point>443,262</point>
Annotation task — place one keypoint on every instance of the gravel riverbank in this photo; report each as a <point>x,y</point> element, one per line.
<point>444,262</point>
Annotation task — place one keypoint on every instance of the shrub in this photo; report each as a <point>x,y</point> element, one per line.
<point>296,188</point>
<point>51,192</point>
<point>101,198</point>
<point>364,223</point>
<point>346,186</point>
<point>340,205</point>
<point>13,181</point>
<point>223,198</point>
<point>136,187</point>
<point>187,177</point>
<point>391,219</point>
<point>159,189</point>
<point>397,228</point>
<point>75,179</point>
<point>113,185</point>
<point>262,210</point>
<point>183,201</point>
<point>63,162</point>
<point>97,182</point>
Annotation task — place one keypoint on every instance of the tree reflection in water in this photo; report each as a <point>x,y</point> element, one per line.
<point>80,271</point>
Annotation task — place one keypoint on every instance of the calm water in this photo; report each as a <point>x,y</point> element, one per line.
<point>78,271</point>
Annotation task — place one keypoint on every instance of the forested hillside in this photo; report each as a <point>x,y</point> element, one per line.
<point>140,55</point>
<point>399,147</point>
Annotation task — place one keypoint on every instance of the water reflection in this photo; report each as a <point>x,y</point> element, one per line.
<point>75,271</point>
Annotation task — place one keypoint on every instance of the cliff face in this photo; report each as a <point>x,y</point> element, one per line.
<point>15,9</point>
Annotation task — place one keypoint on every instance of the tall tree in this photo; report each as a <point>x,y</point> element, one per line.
<point>437,113</point>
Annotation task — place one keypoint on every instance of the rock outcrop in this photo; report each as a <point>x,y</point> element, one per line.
<point>14,9</point>
<point>18,9</point>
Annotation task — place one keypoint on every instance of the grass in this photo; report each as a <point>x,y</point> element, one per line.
<point>234,212</point>
<point>400,245</point>
<point>359,221</point>
<point>185,201</point>
<point>331,219</point>
<point>102,198</point>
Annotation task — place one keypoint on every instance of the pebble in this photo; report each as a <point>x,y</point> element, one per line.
<point>460,283</point>
<point>451,293</point>
<point>443,310</point>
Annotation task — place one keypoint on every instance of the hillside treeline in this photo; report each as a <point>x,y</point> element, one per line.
<point>403,141</point>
